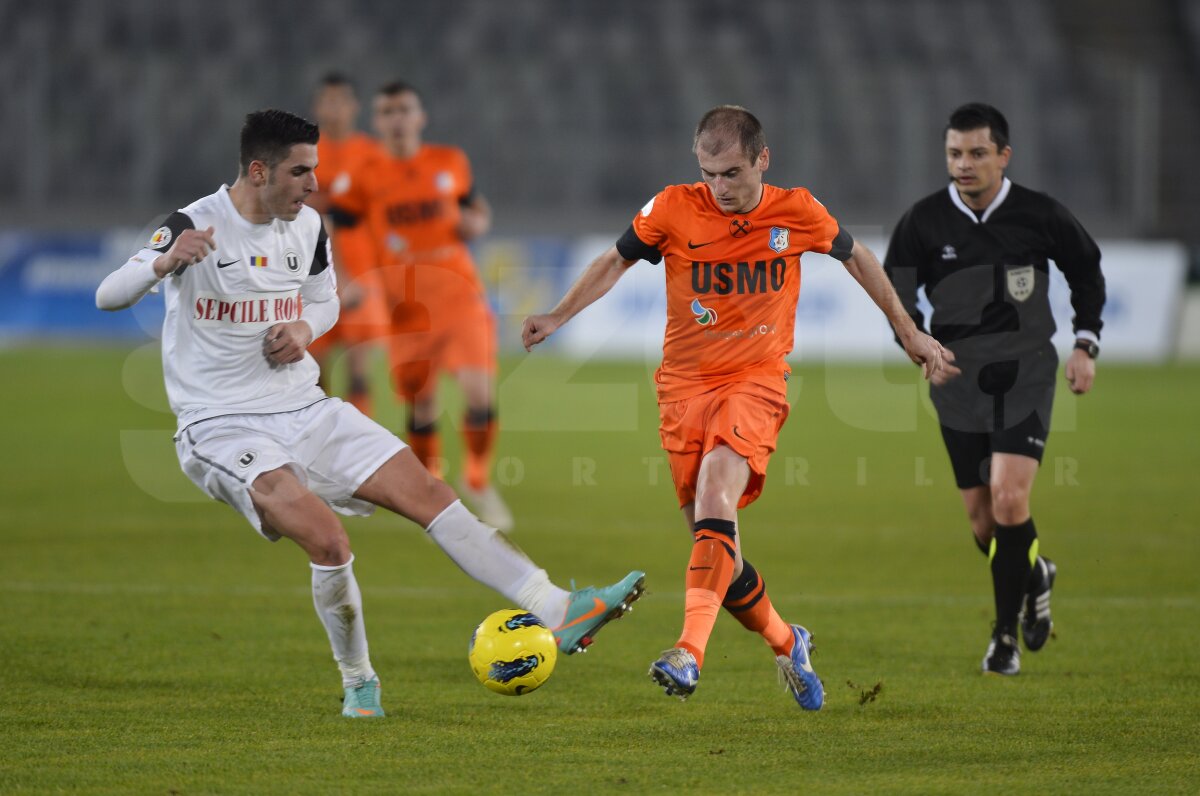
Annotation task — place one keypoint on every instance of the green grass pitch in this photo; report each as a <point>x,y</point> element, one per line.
<point>150,642</point>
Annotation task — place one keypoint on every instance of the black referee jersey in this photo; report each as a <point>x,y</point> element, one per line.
<point>987,278</point>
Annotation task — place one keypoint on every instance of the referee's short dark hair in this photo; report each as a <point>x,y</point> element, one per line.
<point>976,116</point>
<point>270,135</point>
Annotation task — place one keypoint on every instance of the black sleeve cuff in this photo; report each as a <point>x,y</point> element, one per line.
<point>342,219</point>
<point>631,247</point>
<point>843,244</point>
<point>320,259</point>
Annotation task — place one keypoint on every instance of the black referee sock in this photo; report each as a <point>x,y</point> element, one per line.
<point>1013,553</point>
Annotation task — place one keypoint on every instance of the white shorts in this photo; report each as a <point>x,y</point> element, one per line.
<point>330,446</point>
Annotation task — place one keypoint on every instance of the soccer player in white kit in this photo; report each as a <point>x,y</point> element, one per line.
<point>248,285</point>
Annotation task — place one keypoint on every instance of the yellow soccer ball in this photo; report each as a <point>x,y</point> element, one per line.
<point>512,652</point>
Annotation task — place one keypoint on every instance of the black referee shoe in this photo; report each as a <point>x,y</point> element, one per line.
<point>1035,618</point>
<point>1002,656</point>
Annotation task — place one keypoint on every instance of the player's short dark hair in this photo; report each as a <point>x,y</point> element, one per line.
<point>400,87</point>
<point>270,135</point>
<point>977,116</point>
<point>336,79</point>
<point>731,124</point>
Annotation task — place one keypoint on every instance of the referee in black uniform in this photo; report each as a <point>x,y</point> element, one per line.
<point>982,248</point>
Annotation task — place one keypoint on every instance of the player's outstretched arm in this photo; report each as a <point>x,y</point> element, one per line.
<point>935,361</point>
<point>596,280</point>
<point>125,286</point>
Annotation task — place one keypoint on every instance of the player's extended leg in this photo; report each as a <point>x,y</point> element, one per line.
<point>404,486</point>
<point>748,602</point>
<point>479,438</point>
<point>1013,553</point>
<point>722,479</point>
<point>286,506</point>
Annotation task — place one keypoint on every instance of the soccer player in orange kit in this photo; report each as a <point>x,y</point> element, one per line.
<point>364,318</point>
<point>732,247</point>
<point>418,204</point>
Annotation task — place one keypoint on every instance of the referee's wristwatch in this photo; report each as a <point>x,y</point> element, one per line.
<point>1089,347</point>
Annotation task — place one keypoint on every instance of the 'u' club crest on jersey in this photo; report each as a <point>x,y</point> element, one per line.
<point>292,261</point>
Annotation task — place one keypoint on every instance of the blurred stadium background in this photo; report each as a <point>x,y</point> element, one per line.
<point>574,113</point>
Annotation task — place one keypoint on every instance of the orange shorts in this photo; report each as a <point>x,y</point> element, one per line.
<point>742,416</point>
<point>441,323</point>
<point>366,322</point>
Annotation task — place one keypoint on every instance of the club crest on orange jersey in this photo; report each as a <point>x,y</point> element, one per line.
<point>780,239</point>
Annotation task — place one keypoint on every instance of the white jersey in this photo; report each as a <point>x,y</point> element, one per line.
<point>218,310</point>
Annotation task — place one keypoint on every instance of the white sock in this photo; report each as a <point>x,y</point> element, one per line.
<point>491,558</point>
<point>539,596</point>
<point>339,606</point>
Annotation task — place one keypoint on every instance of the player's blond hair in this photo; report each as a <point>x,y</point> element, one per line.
<point>725,125</point>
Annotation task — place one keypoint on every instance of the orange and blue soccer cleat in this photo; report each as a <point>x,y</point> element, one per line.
<point>797,672</point>
<point>676,671</point>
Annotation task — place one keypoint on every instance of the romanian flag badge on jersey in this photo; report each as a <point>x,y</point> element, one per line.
<point>258,262</point>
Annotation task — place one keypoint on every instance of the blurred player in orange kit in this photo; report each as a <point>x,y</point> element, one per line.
<point>732,246</point>
<point>419,207</point>
<point>364,318</point>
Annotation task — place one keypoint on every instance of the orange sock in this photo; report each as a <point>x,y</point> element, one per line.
<point>747,600</point>
<point>427,445</point>
<point>479,434</point>
<point>709,571</point>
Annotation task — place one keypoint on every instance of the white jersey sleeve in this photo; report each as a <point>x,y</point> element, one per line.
<point>132,281</point>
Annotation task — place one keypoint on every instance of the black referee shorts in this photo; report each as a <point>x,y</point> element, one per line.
<point>997,407</point>
<point>971,451</point>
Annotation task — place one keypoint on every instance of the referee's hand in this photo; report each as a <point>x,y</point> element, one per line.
<point>1080,372</point>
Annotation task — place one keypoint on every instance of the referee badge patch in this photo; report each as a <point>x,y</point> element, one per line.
<point>1020,282</point>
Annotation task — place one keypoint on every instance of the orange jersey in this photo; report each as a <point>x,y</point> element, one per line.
<point>732,280</point>
<point>411,207</point>
<point>336,160</point>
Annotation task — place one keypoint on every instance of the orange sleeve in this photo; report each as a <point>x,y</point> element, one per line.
<point>652,221</point>
<point>821,227</point>
<point>355,249</point>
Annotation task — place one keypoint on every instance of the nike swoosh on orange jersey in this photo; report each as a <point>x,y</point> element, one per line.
<point>599,609</point>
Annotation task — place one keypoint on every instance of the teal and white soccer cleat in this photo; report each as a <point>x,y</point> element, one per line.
<point>676,671</point>
<point>590,609</point>
<point>362,702</point>
<point>797,673</point>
